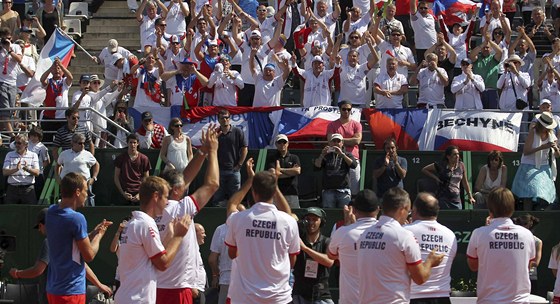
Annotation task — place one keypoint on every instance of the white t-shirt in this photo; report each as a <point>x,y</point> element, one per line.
<point>181,272</point>
<point>402,53</point>
<point>554,263</point>
<point>394,83</point>
<point>148,31</point>
<point>176,24</point>
<point>384,251</point>
<point>41,150</point>
<point>360,25</point>
<point>353,83</point>
<point>9,65</point>
<point>170,59</point>
<point>424,30</point>
<point>267,93</point>
<point>343,245</point>
<point>111,71</point>
<point>430,86</point>
<point>141,99</point>
<point>317,91</point>
<point>503,250</point>
<point>262,55</point>
<point>218,246</point>
<point>433,235</point>
<point>22,78</point>
<point>264,238</point>
<point>467,96</point>
<point>140,242</point>
<point>551,91</point>
<point>77,162</point>
<point>225,88</point>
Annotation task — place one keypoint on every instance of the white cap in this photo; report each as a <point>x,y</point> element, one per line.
<point>113,45</point>
<point>317,58</point>
<point>336,136</point>
<point>544,100</point>
<point>281,137</point>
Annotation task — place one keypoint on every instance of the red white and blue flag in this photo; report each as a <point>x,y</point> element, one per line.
<point>59,45</point>
<point>453,11</point>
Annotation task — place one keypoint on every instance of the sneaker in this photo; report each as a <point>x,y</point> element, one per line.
<point>133,11</point>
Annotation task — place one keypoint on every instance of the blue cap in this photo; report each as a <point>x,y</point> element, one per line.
<point>85,77</point>
<point>271,66</point>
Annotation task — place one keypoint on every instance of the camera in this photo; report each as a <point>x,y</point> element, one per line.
<point>330,150</point>
<point>6,41</point>
<point>302,227</point>
<point>506,65</point>
<point>7,243</point>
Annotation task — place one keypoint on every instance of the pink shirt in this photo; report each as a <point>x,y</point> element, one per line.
<point>347,130</point>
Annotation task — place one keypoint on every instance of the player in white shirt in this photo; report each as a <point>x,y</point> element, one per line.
<point>432,235</point>
<point>431,83</point>
<point>220,263</point>
<point>175,284</point>
<point>467,87</point>
<point>389,256</point>
<point>501,253</point>
<point>141,251</point>
<point>390,87</point>
<point>264,243</point>
<point>553,265</point>
<point>342,247</point>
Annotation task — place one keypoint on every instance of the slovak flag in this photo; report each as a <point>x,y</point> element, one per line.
<point>452,10</point>
<point>59,45</point>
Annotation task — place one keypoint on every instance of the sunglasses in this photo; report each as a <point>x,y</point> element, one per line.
<point>81,143</point>
<point>396,34</point>
<point>224,117</point>
<point>178,126</point>
<point>423,8</point>
<point>346,109</point>
<point>354,37</point>
<point>75,117</point>
<point>19,143</point>
<point>262,10</point>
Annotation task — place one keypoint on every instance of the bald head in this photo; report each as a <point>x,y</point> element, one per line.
<point>426,206</point>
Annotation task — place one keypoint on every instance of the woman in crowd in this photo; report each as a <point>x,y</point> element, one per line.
<point>449,173</point>
<point>117,137</point>
<point>534,179</point>
<point>176,149</point>
<point>491,176</point>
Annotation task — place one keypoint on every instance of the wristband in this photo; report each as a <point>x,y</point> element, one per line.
<point>201,153</point>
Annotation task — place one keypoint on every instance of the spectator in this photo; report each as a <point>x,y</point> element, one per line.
<point>311,271</point>
<point>225,83</point>
<point>389,170</point>
<point>66,276</point>
<point>262,271</point>
<point>37,33</point>
<point>149,92</point>
<point>232,152</point>
<point>389,22</point>
<point>335,164</point>
<point>177,11</point>
<point>35,145</point>
<point>539,31</point>
<point>493,19</point>
<point>50,17</point>
<point>553,265</point>
<point>137,271</point>
<point>185,84</point>
<point>176,149</point>
<point>446,57</point>
<point>393,49</point>
<point>351,132</point>
<point>173,54</point>
<point>90,98</point>
<point>365,208</point>
<point>40,268</point>
<point>513,83</point>
<point>117,137</point>
<point>467,87</point>
<point>534,180</point>
<point>289,169</point>
<point>486,253</point>
<point>56,87</point>
<point>487,66</point>
<point>432,236</point>
<point>10,18</point>
<point>64,135</point>
<point>449,173</point>
<point>523,47</point>
<point>130,168</point>
<point>150,134</point>
<point>26,68</point>
<point>11,56</point>
<point>388,252</point>
<point>106,58</point>
<point>268,86</point>
<point>147,23</point>
<point>459,40</point>
<point>201,31</point>
<point>254,42</point>
<point>431,83</point>
<point>491,176</point>
<point>317,89</point>
<point>548,84</point>
<point>356,21</point>
<point>529,221</point>
<point>329,15</point>
<point>208,63</point>
<point>124,73</point>
<point>424,26</point>
<point>390,86</point>
<point>21,167</point>
<point>107,98</point>
<point>79,161</point>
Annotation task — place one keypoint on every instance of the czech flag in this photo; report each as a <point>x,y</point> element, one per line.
<point>406,126</point>
<point>301,123</point>
<point>453,11</point>
<point>59,45</point>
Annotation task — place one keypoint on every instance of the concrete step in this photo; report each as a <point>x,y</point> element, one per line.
<point>98,45</point>
<point>103,35</point>
<point>118,13</point>
<point>113,22</point>
<point>114,4</point>
<point>114,29</point>
<point>77,71</point>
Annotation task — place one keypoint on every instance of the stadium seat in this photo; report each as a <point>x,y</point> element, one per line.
<point>21,293</point>
<point>78,10</point>
<point>73,27</point>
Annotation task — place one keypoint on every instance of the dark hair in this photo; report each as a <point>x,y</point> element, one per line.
<point>493,155</point>
<point>527,220</point>
<point>426,205</point>
<point>70,183</point>
<point>394,199</point>
<point>264,185</point>
<point>222,112</point>
<point>344,102</point>
<point>501,202</point>
<point>172,123</point>
<point>448,152</point>
<point>132,136</point>
<point>71,111</point>
<point>4,31</point>
<point>389,140</point>
<point>37,131</point>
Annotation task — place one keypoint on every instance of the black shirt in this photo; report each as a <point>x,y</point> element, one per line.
<point>335,171</point>
<point>289,185</point>
<point>229,148</point>
<point>312,288</point>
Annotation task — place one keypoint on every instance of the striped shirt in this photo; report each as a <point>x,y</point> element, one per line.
<point>63,137</point>
<point>21,177</point>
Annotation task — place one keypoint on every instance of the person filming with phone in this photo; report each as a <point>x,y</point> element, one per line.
<point>336,164</point>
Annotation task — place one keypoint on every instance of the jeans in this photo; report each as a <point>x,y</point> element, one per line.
<point>300,300</point>
<point>354,181</point>
<point>230,182</point>
<point>336,198</point>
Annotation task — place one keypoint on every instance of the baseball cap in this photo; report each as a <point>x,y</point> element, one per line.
<point>315,211</point>
<point>174,39</point>
<point>94,77</point>
<point>25,29</point>
<point>270,66</point>
<point>316,43</point>
<point>466,60</point>
<point>85,77</point>
<point>115,58</point>
<point>212,42</point>
<point>365,201</point>
<point>41,217</point>
<point>188,61</point>
<point>544,100</point>
<point>255,33</point>
<point>317,58</point>
<point>147,115</point>
<point>281,137</point>
<point>336,136</point>
<point>113,45</point>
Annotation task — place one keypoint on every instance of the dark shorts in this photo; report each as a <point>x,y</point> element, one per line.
<point>21,195</point>
<point>7,99</point>
<point>445,300</point>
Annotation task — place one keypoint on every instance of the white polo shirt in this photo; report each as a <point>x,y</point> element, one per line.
<point>394,83</point>
<point>181,272</point>
<point>433,235</point>
<point>503,250</point>
<point>387,50</point>
<point>267,93</point>
<point>317,90</point>
<point>384,252</point>
<point>430,86</point>
<point>218,246</point>
<point>265,238</point>
<point>140,242</point>
<point>77,162</point>
<point>343,245</point>
<point>554,263</point>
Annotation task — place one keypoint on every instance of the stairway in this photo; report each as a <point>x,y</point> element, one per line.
<point>113,20</point>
